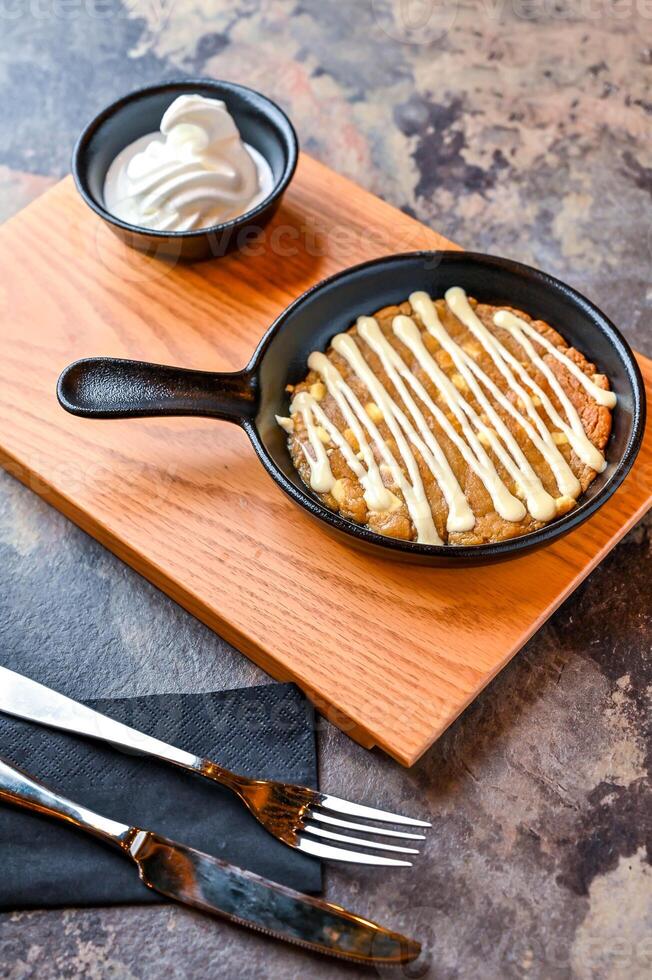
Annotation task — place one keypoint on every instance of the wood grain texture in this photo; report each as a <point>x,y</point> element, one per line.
<point>389,652</point>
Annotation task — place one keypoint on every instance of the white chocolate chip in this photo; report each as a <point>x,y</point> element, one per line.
<point>318,390</point>
<point>472,348</point>
<point>323,434</point>
<point>395,504</point>
<point>373,412</point>
<point>559,438</point>
<point>484,439</point>
<point>339,491</point>
<point>349,435</point>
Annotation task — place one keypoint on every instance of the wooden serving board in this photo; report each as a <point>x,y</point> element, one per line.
<point>391,653</point>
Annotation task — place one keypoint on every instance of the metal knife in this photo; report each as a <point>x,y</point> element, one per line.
<point>206,882</point>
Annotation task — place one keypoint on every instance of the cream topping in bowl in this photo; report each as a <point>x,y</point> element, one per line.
<point>194,173</point>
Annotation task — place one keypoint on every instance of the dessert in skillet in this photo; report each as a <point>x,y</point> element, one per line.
<point>449,421</point>
<point>195,173</point>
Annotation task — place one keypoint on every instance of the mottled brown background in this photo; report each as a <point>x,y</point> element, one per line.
<point>520,128</point>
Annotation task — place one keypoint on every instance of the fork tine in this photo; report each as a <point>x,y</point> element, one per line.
<point>330,835</point>
<point>317,849</point>
<point>357,810</point>
<point>363,828</point>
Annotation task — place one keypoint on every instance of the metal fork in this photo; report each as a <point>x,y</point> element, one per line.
<point>297,815</point>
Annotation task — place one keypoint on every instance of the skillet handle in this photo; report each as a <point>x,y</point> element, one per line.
<point>111,388</point>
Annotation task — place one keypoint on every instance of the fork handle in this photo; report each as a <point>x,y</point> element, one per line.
<point>19,788</point>
<point>24,698</point>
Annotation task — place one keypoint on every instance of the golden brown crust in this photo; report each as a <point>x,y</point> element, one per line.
<point>489,525</point>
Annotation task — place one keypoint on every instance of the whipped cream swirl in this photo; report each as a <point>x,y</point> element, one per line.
<point>195,173</point>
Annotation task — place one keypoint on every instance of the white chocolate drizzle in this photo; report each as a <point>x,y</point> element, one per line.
<point>460,515</point>
<point>369,456</point>
<point>566,480</point>
<point>506,504</point>
<point>358,420</point>
<point>321,475</point>
<point>600,395</point>
<point>539,502</point>
<point>573,429</point>
<point>286,423</point>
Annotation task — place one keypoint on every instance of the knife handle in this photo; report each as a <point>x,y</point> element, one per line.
<point>24,698</point>
<point>17,787</point>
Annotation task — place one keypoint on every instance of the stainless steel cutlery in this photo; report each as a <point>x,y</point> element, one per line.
<point>316,823</point>
<point>206,882</point>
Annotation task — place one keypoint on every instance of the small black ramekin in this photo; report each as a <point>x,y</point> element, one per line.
<point>262,124</point>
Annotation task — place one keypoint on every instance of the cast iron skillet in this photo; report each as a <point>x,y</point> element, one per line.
<point>112,388</point>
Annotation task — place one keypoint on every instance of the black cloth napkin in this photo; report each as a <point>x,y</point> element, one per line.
<point>265,732</point>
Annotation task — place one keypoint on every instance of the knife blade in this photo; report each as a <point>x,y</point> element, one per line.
<point>212,885</point>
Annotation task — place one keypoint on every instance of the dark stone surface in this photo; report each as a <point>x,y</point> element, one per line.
<point>520,129</point>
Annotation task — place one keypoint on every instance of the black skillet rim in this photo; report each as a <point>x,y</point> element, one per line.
<point>500,549</point>
<point>289,136</point>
